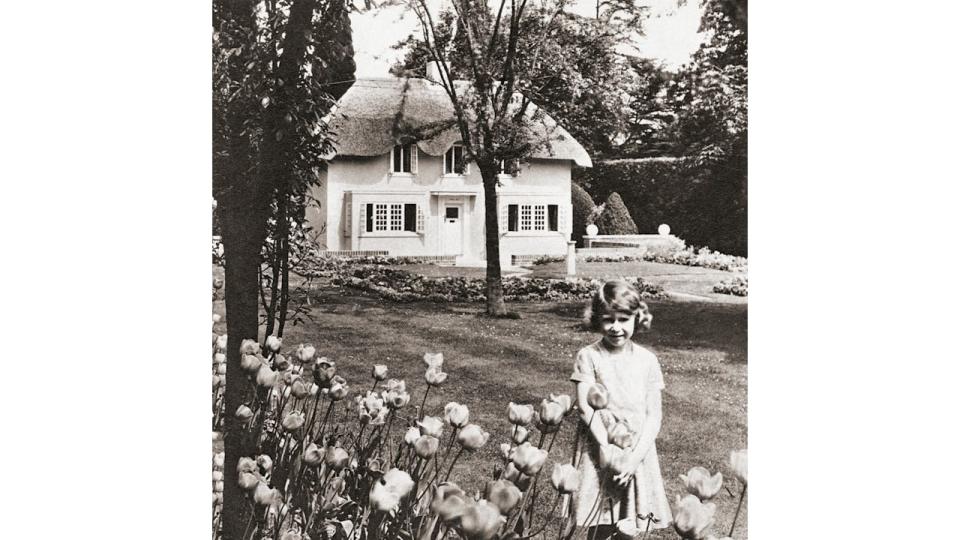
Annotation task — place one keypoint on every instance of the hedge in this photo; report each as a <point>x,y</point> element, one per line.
<point>615,218</point>
<point>583,207</point>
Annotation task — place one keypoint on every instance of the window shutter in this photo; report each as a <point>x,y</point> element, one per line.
<point>364,223</point>
<point>394,159</point>
<point>413,158</point>
<point>347,214</point>
<point>503,217</point>
<point>421,220</point>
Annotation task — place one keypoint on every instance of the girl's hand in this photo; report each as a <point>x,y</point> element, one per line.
<point>623,479</point>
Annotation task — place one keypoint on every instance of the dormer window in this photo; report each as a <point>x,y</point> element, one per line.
<point>403,160</point>
<point>454,161</point>
<point>510,167</point>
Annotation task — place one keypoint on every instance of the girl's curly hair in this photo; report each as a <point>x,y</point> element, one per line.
<point>617,297</point>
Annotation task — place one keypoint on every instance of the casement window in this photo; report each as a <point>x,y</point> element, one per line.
<point>510,167</point>
<point>392,217</point>
<point>403,159</point>
<point>533,217</point>
<point>454,161</point>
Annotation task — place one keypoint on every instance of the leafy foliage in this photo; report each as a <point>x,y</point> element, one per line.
<point>736,286</point>
<point>615,218</point>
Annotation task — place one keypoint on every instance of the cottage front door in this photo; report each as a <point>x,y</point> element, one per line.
<point>452,230</point>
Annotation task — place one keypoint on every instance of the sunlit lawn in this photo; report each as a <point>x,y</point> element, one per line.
<point>701,347</point>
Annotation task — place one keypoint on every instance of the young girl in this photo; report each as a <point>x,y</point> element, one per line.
<point>631,481</point>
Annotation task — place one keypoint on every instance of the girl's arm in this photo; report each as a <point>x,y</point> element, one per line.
<point>651,428</point>
<point>597,429</point>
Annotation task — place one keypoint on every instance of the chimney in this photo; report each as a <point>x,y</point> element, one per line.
<point>433,72</point>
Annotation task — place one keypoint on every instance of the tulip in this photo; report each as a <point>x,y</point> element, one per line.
<point>433,360</point>
<point>263,495</point>
<point>218,476</point>
<point>375,465</point>
<point>398,481</point>
<point>411,436</point>
<point>338,390</point>
<point>248,481</point>
<point>505,450</point>
<point>312,455</point>
<point>472,437</point>
<point>299,389</point>
<point>529,460</point>
<point>627,528</point>
<point>520,415</point>
<point>620,435</point>
<point>449,501</point>
<point>220,358</point>
<point>324,371</point>
<point>305,353</point>
<point>217,283</point>
<point>551,413</point>
<point>520,434</point>
<point>435,377</point>
<point>294,421</point>
<point>564,400</point>
<point>267,377</point>
<point>513,474</point>
<point>222,342</point>
<point>379,372</point>
<point>614,458</point>
<point>245,464</point>
<point>336,458</point>
<point>222,369</point>
<point>396,400</point>
<point>217,498</point>
<point>426,446</point>
<point>216,318</point>
<point>565,478</point>
<point>249,346</point>
<point>372,403</point>
<point>217,436</point>
<point>218,487</point>
<point>431,425</point>
<point>244,414</point>
<point>265,463</point>
<point>273,343</point>
<point>218,460</point>
<point>738,462</point>
<point>455,414</point>
<point>394,385</point>
<point>598,397</point>
<point>380,418</point>
<point>480,521</point>
<point>692,517</point>
<point>314,389</point>
<point>699,482</point>
<point>503,494</point>
<point>281,363</point>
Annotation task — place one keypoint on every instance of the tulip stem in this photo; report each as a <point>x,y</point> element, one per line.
<point>546,521</point>
<point>737,513</point>
<point>424,402</point>
<point>452,463</point>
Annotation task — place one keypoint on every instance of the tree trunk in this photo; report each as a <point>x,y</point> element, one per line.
<point>495,305</point>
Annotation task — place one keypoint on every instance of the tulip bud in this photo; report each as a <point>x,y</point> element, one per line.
<point>426,446</point>
<point>294,421</point>
<point>218,487</point>
<point>433,360</point>
<point>411,436</point>
<point>312,455</point>
<point>305,353</point>
<point>314,389</point>
<point>503,494</point>
<point>431,425</point>
<point>338,389</point>
<point>472,437</point>
<point>513,474</point>
<point>383,499</point>
<point>505,450</point>
<point>449,501</point>
<point>218,460</point>
<point>264,463</point>
<point>379,372</point>
<point>520,415</point>
<point>520,434</point>
<point>529,460</point>
<point>565,478</point>
<point>244,414</point>
<point>738,462</point>
<point>217,283</point>
<point>564,400</point>
<point>323,372</point>
<point>222,369</point>
<point>481,520</point>
<point>692,517</point>
<point>218,476</point>
<point>337,458</point>
<point>398,481</point>
<point>248,481</point>
<point>435,377</point>
<point>249,346</point>
<point>273,343</point>
<point>598,397</point>
<point>216,318</point>
<point>551,413</point>
<point>299,389</point>
<point>217,436</point>
<point>267,377</point>
<point>222,342</point>
<point>263,495</point>
<point>456,415</point>
<point>614,458</point>
<point>219,358</point>
<point>281,363</point>
<point>250,363</point>
<point>699,482</point>
<point>245,464</point>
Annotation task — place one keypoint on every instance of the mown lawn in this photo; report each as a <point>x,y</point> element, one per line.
<point>701,347</point>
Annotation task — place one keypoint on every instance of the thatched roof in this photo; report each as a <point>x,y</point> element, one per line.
<point>375,114</point>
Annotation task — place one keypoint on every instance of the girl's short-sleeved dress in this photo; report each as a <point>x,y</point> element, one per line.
<point>629,377</point>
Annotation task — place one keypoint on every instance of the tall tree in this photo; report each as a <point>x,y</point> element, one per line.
<point>267,137</point>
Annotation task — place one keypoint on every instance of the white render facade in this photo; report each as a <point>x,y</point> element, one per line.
<point>449,209</point>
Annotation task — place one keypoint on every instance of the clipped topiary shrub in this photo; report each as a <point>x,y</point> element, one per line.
<point>615,218</point>
<point>583,207</point>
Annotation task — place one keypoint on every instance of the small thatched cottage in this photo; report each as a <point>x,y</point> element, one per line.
<point>381,193</point>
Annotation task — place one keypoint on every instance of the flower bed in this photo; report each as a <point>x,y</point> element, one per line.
<point>314,266</point>
<point>402,286</point>
<point>736,286</point>
<point>688,256</point>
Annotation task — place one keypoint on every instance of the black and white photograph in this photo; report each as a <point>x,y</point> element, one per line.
<point>479,269</point>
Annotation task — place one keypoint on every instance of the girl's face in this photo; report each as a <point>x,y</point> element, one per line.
<point>617,328</point>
